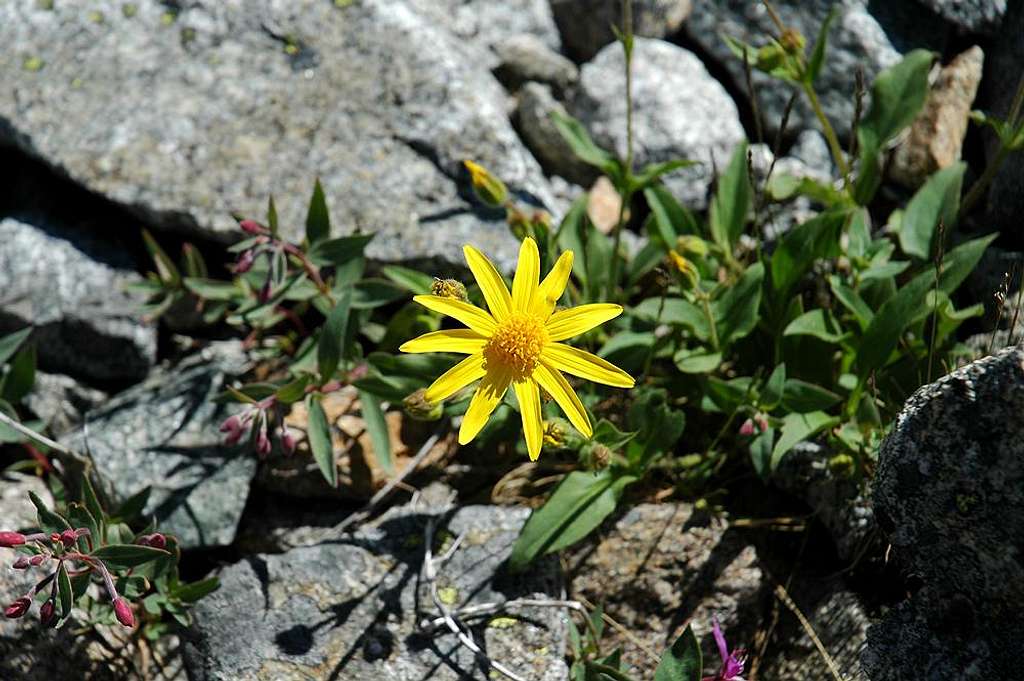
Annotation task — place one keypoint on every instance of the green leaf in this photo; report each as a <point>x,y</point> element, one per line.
<point>133,507</point>
<point>797,428</point>
<point>92,503</point>
<point>611,437</point>
<point>579,140</point>
<point>10,343</point>
<point>731,204</point>
<point>736,310</point>
<point>697,360</point>
<point>164,265</point>
<point>818,323</point>
<point>79,516</point>
<point>803,397</point>
<point>938,200</point>
<point>195,266</point>
<point>761,452</point>
<point>331,346</point>
<point>409,279</point>
<point>272,215</point>
<point>883,333</point>
<point>320,444</point>
<point>774,388</point>
<point>48,520</point>
<point>127,556</point>
<point>372,293</point>
<point>674,312</point>
<point>64,590</point>
<point>681,662</point>
<point>21,376</point>
<point>339,251</point>
<point>376,425</point>
<point>801,246</point>
<point>654,171</point>
<point>212,289</point>
<point>572,236</point>
<point>293,391</point>
<point>318,220</point>
<point>190,593</point>
<point>852,301</point>
<point>817,59</point>
<point>576,507</point>
<point>671,219</point>
<point>961,261</point>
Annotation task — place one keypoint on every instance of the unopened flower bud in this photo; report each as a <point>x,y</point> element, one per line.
<point>262,442</point>
<point>600,457</point>
<point>762,422</point>
<point>519,225</point>
<point>792,41</point>
<point>685,267</point>
<point>265,293</point>
<point>21,564</point>
<point>11,539</point>
<point>488,188</point>
<point>234,428</point>
<point>123,612</point>
<point>692,245</point>
<point>449,288</point>
<point>245,261</point>
<point>747,429</point>
<point>68,538</point>
<point>156,540</point>
<point>842,465</point>
<point>418,407</point>
<point>287,441</point>
<point>36,561</point>
<point>54,537</point>
<point>18,608</point>
<point>47,614</point>
<point>252,227</point>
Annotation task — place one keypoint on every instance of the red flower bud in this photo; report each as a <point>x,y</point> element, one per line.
<point>287,441</point>
<point>47,614</point>
<point>68,538</point>
<point>245,261</point>
<point>156,540</point>
<point>747,429</point>
<point>123,612</point>
<point>18,608</point>
<point>231,424</point>
<point>36,561</point>
<point>54,537</point>
<point>21,564</point>
<point>262,443</point>
<point>252,227</point>
<point>10,539</point>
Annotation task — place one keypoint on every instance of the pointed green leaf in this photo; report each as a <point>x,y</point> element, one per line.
<point>736,310</point>
<point>732,201</point>
<point>377,427</point>
<point>127,556</point>
<point>803,397</point>
<point>681,662</point>
<point>64,590</point>
<point>817,59</point>
<point>318,221</point>
<point>797,428</point>
<point>937,201</point>
<point>579,140</point>
<point>331,346</point>
<point>48,520</point>
<point>320,443</point>
<point>10,343</point>
<point>774,388</point>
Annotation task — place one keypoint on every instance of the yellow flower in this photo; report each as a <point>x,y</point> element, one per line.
<point>517,345</point>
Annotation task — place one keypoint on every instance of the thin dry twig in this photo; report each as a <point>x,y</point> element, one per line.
<point>783,595</point>
<point>623,630</point>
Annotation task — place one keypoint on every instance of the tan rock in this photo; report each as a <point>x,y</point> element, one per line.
<point>937,133</point>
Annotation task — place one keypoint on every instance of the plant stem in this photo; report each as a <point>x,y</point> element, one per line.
<point>706,305</point>
<point>624,192</point>
<point>830,133</point>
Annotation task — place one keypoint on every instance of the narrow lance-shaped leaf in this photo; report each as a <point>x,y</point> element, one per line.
<point>320,444</point>
<point>126,556</point>
<point>10,343</point>
<point>64,590</point>
<point>331,346</point>
<point>377,427</point>
<point>318,221</point>
<point>732,201</point>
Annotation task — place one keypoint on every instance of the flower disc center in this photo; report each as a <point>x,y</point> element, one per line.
<point>516,345</point>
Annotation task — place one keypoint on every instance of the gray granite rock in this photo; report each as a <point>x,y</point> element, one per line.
<point>61,401</point>
<point>72,288</point>
<point>661,566</point>
<point>976,16</point>
<point>586,25</point>
<point>949,495</point>
<point>535,106</point>
<point>164,434</point>
<point>351,608</point>
<point>525,57</point>
<point>869,40</point>
<point>679,111</point>
<point>188,120</point>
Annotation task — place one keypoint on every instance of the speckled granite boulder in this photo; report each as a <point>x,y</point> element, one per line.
<point>351,608</point>
<point>949,494</point>
<point>164,434</point>
<point>186,115</point>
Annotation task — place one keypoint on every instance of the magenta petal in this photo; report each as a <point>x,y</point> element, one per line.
<point>723,649</point>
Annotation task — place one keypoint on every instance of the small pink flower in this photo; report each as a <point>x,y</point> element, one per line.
<point>11,539</point>
<point>21,564</point>
<point>156,540</point>
<point>732,662</point>
<point>747,429</point>
<point>287,440</point>
<point>68,538</point>
<point>123,612</point>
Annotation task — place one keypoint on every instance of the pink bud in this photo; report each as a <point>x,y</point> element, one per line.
<point>21,564</point>
<point>747,429</point>
<point>156,540</point>
<point>231,424</point>
<point>18,608</point>
<point>262,442</point>
<point>245,262</point>
<point>123,612</point>
<point>762,422</point>
<point>287,441</point>
<point>36,561</point>
<point>68,538</point>
<point>46,614</point>
<point>10,539</point>
<point>252,227</point>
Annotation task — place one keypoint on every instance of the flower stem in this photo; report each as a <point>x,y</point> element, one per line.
<point>830,133</point>
<point>624,191</point>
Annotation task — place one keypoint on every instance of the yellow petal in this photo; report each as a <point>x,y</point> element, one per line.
<point>585,365</point>
<point>572,322</point>
<point>456,378</point>
<point>559,389</point>
<point>465,341</point>
<point>553,286</point>
<point>487,396</point>
<point>529,406</point>
<point>499,302</point>
<point>470,315</point>
<point>524,284</point>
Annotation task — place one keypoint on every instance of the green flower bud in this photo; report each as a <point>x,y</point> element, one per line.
<point>489,189</point>
<point>418,408</point>
<point>842,465</point>
<point>686,268</point>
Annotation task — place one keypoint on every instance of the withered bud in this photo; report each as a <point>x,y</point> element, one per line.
<point>600,457</point>
<point>449,288</point>
<point>792,41</point>
<point>245,261</point>
<point>11,539</point>
<point>123,612</point>
<point>18,608</point>
<point>418,407</point>
<point>685,267</point>
<point>21,564</point>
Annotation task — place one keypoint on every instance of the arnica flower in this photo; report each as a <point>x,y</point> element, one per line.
<point>517,345</point>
